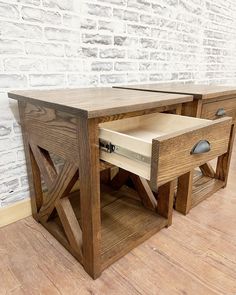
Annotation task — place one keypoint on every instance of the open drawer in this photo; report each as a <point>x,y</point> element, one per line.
<point>161,147</point>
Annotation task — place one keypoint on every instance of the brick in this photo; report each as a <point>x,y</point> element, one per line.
<point>158,55</point>
<point>31,2</point>
<point>24,181</point>
<point>97,39</point>
<point>132,78</point>
<point>163,10</point>
<point>163,77</point>
<point>197,10</point>
<point>14,197</point>
<point>45,49</point>
<point>189,18</point>
<point>148,19</point>
<point>24,64</point>
<point>9,186</point>
<point>10,46</point>
<point>78,51</point>
<point>149,43</point>
<point>10,143</point>
<point>64,65</point>
<point>18,30</point>
<point>47,80</point>
<point>112,53</point>
<point>40,15</point>
<point>9,11</point>
<point>88,24</point>
<point>7,158</point>
<point>184,76</point>
<point>54,34</point>
<point>101,66</point>
<point>12,81</point>
<point>139,30</point>
<point>11,168</point>
<point>139,4</point>
<point>116,2</point>
<point>113,27</point>
<point>5,128</point>
<point>126,66</point>
<point>125,15</point>
<point>82,80</point>
<point>125,41</point>
<point>98,10</point>
<point>160,33</point>
<point>148,66</point>
<point>20,155</point>
<point>138,54</point>
<point>60,4</point>
<point>112,79</point>
<point>71,21</point>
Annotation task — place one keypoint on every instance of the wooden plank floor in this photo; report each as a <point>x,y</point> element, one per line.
<point>196,255</point>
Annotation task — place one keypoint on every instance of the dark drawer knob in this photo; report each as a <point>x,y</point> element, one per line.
<point>203,146</point>
<point>221,112</point>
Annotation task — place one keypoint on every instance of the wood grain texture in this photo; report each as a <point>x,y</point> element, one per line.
<point>165,200</point>
<point>199,91</point>
<point>71,225</point>
<point>90,194</point>
<point>145,193</point>
<point>207,170</point>
<point>223,163</point>
<point>197,253</point>
<point>52,130</point>
<point>98,102</point>
<point>45,164</point>
<point>60,188</point>
<point>173,152</point>
<point>33,173</point>
<point>209,109</point>
<point>183,202</point>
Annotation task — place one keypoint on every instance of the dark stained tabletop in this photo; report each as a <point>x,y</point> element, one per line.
<point>199,91</point>
<point>98,102</point>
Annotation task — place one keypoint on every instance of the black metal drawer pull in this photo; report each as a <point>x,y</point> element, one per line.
<point>203,146</point>
<point>221,112</point>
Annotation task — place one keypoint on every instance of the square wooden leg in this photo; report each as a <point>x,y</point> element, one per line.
<point>165,200</point>
<point>90,195</point>
<point>183,201</point>
<point>223,163</point>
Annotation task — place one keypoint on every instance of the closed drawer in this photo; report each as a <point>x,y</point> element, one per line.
<point>161,147</point>
<point>218,109</point>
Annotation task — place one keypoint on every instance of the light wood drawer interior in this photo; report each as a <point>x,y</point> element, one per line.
<point>218,109</point>
<point>159,147</point>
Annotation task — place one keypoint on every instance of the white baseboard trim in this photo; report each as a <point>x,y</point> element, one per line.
<point>15,212</point>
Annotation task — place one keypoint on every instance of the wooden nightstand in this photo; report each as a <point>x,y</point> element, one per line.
<point>92,129</point>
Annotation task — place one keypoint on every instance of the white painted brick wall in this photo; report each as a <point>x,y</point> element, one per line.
<point>58,43</point>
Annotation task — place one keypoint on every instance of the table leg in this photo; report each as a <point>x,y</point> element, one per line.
<point>90,194</point>
<point>33,172</point>
<point>223,163</point>
<point>184,193</point>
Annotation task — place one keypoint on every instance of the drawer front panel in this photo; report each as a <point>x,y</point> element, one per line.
<point>171,156</point>
<point>217,109</point>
